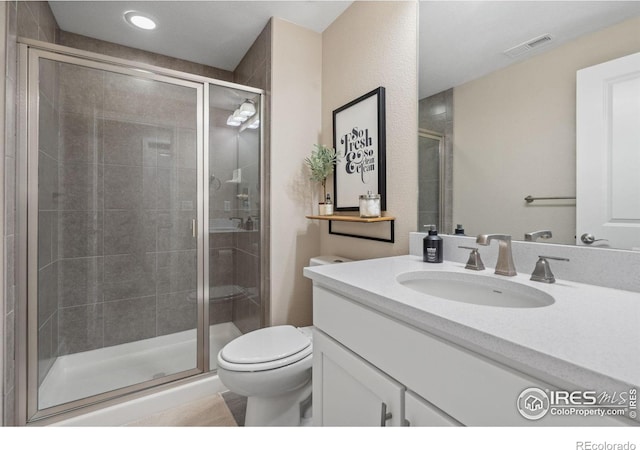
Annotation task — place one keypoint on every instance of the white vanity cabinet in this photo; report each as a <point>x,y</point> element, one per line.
<point>352,392</point>
<point>420,413</point>
<point>366,362</point>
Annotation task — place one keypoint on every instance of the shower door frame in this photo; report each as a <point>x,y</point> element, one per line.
<point>30,51</point>
<point>428,134</point>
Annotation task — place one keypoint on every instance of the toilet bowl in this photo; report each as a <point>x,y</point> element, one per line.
<point>272,368</point>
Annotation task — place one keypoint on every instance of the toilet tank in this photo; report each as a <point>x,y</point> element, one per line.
<point>327,259</point>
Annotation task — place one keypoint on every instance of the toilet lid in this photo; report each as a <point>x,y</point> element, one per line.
<point>266,345</point>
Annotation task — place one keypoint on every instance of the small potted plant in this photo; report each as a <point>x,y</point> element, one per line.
<point>321,163</point>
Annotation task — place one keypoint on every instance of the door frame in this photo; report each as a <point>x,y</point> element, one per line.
<point>424,133</point>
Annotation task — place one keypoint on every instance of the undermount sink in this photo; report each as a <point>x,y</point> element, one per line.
<point>475,289</point>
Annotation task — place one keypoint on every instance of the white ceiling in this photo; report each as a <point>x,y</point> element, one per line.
<point>464,40</point>
<point>459,40</point>
<point>215,33</point>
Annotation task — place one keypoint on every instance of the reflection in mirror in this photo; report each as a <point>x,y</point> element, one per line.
<point>436,116</point>
<point>511,108</point>
<point>430,168</point>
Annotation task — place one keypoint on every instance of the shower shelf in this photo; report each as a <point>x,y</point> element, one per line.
<point>357,219</point>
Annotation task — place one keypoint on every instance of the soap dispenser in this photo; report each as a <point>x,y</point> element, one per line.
<point>432,246</point>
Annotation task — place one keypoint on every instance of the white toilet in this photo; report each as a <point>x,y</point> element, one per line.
<point>272,368</point>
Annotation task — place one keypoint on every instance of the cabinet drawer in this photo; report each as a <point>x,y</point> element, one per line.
<point>472,389</point>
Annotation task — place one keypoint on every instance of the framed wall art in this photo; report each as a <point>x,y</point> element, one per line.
<point>360,138</point>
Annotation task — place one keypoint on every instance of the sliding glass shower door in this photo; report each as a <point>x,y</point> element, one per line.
<point>115,207</point>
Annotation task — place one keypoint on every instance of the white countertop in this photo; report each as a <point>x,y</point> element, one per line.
<point>589,338</point>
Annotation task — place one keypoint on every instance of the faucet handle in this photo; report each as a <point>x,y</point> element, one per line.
<point>544,234</point>
<point>542,271</point>
<point>474,262</point>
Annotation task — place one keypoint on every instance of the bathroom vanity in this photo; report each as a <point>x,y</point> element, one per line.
<point>388,355</point>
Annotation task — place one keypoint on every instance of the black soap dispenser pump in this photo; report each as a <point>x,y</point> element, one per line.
<point>432,246</point>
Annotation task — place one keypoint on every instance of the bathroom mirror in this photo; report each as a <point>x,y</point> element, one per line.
<point>498,81</point>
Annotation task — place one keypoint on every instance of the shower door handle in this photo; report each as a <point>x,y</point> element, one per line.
<point>194,227</point>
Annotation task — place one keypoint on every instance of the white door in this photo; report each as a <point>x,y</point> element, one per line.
<point>608,154</point>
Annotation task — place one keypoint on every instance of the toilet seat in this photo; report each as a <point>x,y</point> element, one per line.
<point>265,349</point>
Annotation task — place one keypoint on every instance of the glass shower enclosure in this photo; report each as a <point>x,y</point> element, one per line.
<point>143,206</point>
<point>430,180</point>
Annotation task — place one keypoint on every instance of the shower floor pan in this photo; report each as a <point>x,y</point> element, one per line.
<point>82,375</point>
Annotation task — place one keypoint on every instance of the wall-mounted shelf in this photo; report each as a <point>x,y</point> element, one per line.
<point>353,218</point>
<point>358,219</point>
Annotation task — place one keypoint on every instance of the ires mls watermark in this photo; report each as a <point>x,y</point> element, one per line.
<point>535,403</point>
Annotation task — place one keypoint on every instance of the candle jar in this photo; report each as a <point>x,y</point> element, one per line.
<point>370,205</point>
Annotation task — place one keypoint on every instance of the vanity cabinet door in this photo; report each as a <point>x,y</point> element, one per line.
<point>347,391</point>
<point>420,413</point>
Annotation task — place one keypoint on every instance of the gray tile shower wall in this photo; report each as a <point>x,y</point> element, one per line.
<point>143,159</point>
<point>223,293</point>
<point>235,279</point>
<point>128,258</point>
<point>429,180</point>
<point>96,189</point>
<point>247,311</point>
<point>435,113</point>
<point>36,21</point>
<point>254,69</point>
<point>7,391</point>
<point>229,287</point>
<point>251,310</point>
<point>156,178</point>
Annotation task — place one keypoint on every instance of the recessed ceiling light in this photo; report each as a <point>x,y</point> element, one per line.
<point>139,20</point>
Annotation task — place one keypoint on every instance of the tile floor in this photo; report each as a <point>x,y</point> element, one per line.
<point>237,404</point>
<point>210,411</point>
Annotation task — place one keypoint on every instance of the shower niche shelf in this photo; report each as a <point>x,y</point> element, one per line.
<point>357,219</point>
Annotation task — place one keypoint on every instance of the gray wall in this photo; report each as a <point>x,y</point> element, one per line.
<point>436,114</point>
<point>48,218</point>
<point>127,260</point>
<point>32,20</point>
<point>252,311</point>
<point>234,294</point>
<point>234,262</point>
<point>3,71</point>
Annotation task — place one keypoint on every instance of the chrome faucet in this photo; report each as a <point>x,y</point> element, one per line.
<point>542,272</point>
<point>531,237</point>
<point>505,265</point>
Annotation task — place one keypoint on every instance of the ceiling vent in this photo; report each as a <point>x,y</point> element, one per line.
<point>521,49</point>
